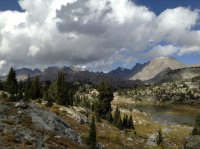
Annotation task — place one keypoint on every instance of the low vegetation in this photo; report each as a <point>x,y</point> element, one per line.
<point>90,111</point>
<point>185,92</point>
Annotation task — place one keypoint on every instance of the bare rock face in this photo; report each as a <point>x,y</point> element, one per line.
<point>29,125</point>
<point>21,105</point>
<point>76,115</point>
<point>177,74</point>
<point>193,142</point>
<point>51,122</point>
<point>155,66</point>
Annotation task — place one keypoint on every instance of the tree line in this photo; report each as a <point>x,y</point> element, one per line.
<point>32,88</point>
<point>59,91</point>
<point>62,92</point>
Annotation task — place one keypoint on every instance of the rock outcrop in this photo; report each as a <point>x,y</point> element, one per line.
<point>156,66</point>
<point>34,127</point>
<point>193,142</point>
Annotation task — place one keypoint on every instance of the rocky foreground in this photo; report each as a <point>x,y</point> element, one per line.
<point>28,126</point>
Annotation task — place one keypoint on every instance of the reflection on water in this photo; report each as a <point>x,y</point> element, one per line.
<point>162,114</point>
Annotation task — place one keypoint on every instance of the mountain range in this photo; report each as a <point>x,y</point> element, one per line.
<point>157,70</point>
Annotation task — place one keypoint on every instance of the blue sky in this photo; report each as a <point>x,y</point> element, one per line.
<point>9,5</point>
<point>155,5</point>
<point>50,33</point>
<point>159,5</point>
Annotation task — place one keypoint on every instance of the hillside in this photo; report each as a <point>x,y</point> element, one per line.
<point>126,73</point>
<point>160,69</point>
<point>155,66</point>
<point>29,126</point>
<point>34,125</point>
<point>176,75</point>
<point>181,91</point>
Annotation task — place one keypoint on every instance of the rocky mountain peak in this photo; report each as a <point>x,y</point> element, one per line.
<point>155,66</point>
<point>75,69</point>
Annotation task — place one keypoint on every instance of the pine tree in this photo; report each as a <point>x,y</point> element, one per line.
<point>117,121</point>
<point>159,137</point>
<point>70,96</point>
<point>110,118</point>
<point>196,130</point>
<point>62,92</point>
<point>20,90</point>
<point>92,133</point>
<point>105,97</point>
<point>47,98</point>
<point>11,82</point>
<point>28,89</point>
<point>116,116</point>
<point>125,121</point>
<point>98,119</point>
<point>130,123</point>
<point>52,92</point>
<point>1,85</point>
<point>35,88</point>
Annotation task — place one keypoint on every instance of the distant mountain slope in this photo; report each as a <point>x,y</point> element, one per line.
<point>120,72</point>
<point>156,66</point>
<point>177,74</point>
<point>153,71</point>
<point>23,73</point>
<point>126,73</point>
<point>73,74</point>
<point>27,71</point>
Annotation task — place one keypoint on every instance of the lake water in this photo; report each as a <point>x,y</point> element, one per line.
<point>162,114</point>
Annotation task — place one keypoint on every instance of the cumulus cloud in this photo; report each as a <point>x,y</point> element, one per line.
<point>160,51</point>
<point>189,50</point>
<point>93,34</point>
<point>175,25</point>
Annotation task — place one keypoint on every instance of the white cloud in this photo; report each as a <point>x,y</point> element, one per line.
<point>33,50</point>
<point>92,33</point>
<point>175,25</point>
<point>2,63</point>
<point>189,50</point>
<point>160,51</point>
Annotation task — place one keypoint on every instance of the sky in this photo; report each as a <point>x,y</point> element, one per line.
<point>97,35</point>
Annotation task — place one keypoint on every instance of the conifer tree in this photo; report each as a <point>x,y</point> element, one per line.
<point>117,121</point>
<point>105,97</point>
<point>116,116</point>
<point>52,92</point>
<point>130,122</point>
<point>20,90</point>
<point>92,133</point>
<point>28,89</point>
<point>196,130</point>
<point>125,121</point>
<point>47,98</point>
<point>159,137</point>
<point>98,119</point>
<point>62,92</point>
<point>110,118</point>
<point>70,96</point>
<point>11,82</point>
<point>35,88</point>
<point>1,85</point>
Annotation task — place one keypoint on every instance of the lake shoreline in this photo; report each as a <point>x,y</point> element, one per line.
<point>146,126</point>
<point>169,113</point>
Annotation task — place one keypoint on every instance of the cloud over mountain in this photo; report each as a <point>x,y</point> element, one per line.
<point>93,34</point>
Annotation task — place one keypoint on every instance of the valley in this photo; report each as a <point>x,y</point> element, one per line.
<point>108,74</point>
<point>131,114</point>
